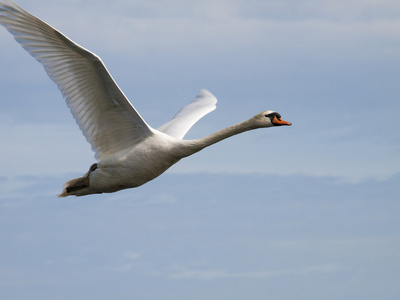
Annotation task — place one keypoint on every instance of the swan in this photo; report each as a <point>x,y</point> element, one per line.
<point>128,151</point>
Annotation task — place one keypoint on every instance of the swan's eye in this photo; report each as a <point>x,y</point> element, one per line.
<point>272,115</point>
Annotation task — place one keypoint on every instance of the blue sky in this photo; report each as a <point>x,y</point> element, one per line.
<point>308,211</point>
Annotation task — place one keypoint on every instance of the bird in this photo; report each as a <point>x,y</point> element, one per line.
<point>128,151</point>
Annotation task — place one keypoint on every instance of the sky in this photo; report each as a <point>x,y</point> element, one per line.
<point>302,212</point>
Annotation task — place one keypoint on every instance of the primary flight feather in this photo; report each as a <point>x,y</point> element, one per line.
<point>129,152</point>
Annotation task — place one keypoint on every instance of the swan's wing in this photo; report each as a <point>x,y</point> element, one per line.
<point>107,119</point>
<point>204,103</point>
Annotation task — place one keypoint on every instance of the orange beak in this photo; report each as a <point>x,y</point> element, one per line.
<point>279,122</point>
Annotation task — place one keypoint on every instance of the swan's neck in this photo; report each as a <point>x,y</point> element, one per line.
<point>199,144</point>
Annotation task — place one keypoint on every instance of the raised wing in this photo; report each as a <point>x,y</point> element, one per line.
<point>107,119</point>
<point>204,103</point>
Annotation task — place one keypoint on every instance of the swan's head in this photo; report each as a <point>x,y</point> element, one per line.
<point>270,118</point>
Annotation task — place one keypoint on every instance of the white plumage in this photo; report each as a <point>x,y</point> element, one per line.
<point>129,151</point>
<point>204,103</point>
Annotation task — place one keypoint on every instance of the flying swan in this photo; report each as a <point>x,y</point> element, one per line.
<point>129,152</point>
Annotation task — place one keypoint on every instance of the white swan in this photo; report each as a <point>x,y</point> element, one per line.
<point>129,152</point>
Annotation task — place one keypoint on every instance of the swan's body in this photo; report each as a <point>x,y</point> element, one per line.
<point>129,152</point>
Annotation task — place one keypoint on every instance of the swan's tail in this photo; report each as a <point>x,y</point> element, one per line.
<point>73,186</point>
<point>76,186</point>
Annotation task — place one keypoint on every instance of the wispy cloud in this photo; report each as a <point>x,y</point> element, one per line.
<point>216,27</point>
<point>218,274</point>
<point>42,149</point>
<point>125,263</point>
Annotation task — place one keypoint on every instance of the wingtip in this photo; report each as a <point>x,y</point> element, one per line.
<point>204,93</point>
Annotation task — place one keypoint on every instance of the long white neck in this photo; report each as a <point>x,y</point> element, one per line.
<point>199,144</point>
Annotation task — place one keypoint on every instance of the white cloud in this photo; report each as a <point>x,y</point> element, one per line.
<point>126,263</point>
<point>216,274</point>
<point>218,27</point>
<point>132,255</point>
<point>42,149</point>
<point>163,198</point>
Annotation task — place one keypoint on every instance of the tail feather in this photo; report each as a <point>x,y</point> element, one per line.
<point>72,186</point>
<point>75,186</point>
